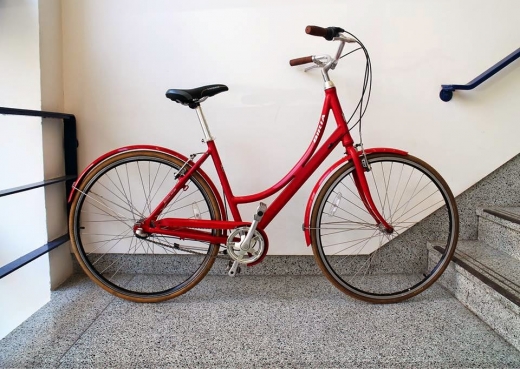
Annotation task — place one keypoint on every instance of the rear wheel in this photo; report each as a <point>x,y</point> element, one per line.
<point>111,199</point>
<point>358,256</point>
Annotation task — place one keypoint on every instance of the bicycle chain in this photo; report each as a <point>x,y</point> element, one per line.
<point>176,246</point>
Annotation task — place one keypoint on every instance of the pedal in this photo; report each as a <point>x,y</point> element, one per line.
<point>233,268</point>
<point>260,211</point>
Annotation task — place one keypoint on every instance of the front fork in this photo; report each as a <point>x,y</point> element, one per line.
<point>363,189</point>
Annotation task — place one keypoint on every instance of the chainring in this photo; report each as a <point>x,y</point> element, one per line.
<point>246,254</point>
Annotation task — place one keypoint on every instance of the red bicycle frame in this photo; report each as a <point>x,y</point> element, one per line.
<point>291,183</point>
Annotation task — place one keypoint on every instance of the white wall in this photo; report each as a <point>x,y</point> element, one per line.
<point>22,216</point>
<point>52,130</point>
<point>121,56</point>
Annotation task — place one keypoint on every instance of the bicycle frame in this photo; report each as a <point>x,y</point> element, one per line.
<point>288,185</point>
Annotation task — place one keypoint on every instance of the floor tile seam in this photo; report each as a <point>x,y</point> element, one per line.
<point>88,327</point>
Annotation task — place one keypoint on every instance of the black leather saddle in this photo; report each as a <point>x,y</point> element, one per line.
<point>194,96</point>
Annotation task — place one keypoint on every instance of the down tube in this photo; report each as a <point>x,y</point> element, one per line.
<point>301,176</point>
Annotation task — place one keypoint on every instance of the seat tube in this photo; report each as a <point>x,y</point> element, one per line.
<point>205,128</point>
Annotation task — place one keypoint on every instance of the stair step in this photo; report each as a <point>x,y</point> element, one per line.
<point>511,213</point>
<point>499,227</point>
<point>487,282</point>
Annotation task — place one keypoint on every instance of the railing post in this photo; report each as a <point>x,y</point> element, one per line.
<point>70,144</point>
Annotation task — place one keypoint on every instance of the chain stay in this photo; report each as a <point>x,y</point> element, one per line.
<point>176,246</point>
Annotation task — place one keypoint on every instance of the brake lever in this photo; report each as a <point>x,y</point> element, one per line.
<point>311,67</point>
<point>346,39</point>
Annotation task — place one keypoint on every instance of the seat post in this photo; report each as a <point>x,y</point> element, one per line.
<point>203,124</point>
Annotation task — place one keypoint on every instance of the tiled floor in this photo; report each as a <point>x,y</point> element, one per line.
<point>253,321</point>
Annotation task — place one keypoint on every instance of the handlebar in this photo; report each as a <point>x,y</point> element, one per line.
<point>300,61</point>
<point>316,31</point>
<point>329,33</point>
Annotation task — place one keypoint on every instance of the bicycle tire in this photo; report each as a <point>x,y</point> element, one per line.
<point>398,267</point>
<point>109,199</point>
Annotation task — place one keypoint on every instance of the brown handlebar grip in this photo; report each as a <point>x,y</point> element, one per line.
<point>300,61</point>
<point>316,31</point>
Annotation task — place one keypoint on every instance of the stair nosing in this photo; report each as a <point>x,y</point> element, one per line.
<point>494,274</point>
<point>503,214</point>
<point>483,278</point>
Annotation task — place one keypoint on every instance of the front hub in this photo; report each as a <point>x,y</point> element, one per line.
<point>384,230</point>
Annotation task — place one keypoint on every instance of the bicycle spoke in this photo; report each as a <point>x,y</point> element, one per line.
<point>124,190</point>
<point>345,230</point>
<point>416,194</point>
<point>104,214</point>
<point>129,204</point>
<point>383,205</point>
<point>162,182</point>
<point>358,255</point>
<point>121,220</point>
<point>429,207</point>
<point>359,249</point>
<point>91,243</point>
<point>359,207</point>
<point>115,261</point>
<point>182,207</point>
<point>144,191</point>
<point>386,199</point>
<point>368,262</point>
<point>345,242</point>
<point>413,194</point>
<point>395,193</point>
<point>101,198</point>
<point>121,266</point>
<point>416,205</point>
<point>168,209</point>
<point>128,180</point>
<point>367,239</point>
<point>337,216</point>
<point>348,188</point>
<point>119,239</point>
<point>174,202</point>
<point>171,250</point>
<point>377,191</point>
<point>404,190</point>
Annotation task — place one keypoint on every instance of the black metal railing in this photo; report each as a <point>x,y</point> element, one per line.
<point>447,90</point>
<point>70,145</point>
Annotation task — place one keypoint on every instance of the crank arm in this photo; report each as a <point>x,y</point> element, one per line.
<point>260,211</point>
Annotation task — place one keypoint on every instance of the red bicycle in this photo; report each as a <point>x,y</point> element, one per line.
<point>147,223</point>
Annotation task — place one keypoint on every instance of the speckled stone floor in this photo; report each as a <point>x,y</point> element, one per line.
<point>253,322</point>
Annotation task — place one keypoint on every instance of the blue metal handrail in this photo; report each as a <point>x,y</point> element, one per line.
<point>70,145</point>
<point>447,90</point>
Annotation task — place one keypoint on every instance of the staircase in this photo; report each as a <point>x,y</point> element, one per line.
<point>484,274</point>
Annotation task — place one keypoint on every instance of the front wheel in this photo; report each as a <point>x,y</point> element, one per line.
<point>114,197</point>
<point>358,256</point>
